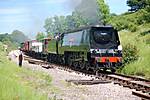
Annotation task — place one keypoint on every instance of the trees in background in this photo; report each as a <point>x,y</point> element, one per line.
<point>60,24</point>
<point>4,37</point>
<point>97,12</point>
<point>143,6</point>
<point>131,20</point>
<point>18,36</point>
<point>40,36</point>
<point>103,11</point>
<point>138,4</point>
<point>13,40</point>
<point>55,24</point>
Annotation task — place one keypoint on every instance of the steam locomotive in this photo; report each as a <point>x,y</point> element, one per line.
<point>87,48</point>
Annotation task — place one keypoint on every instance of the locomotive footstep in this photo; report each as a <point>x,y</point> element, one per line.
<point>88,82</point>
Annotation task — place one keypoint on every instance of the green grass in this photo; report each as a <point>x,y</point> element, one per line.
<point>14,84</point>
<point>140,67</point>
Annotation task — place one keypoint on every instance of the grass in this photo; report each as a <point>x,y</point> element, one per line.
<point>19,83</point>
<point>140,67</point>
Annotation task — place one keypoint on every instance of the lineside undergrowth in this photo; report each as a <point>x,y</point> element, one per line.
<point>12,85</point>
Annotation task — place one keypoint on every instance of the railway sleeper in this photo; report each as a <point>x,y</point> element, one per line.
<point>143,96</point>
<point>146,90</point>
<point>131,84</point>
<point>125,84</point>
<point>88,82</point>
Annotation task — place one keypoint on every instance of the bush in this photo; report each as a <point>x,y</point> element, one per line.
<point>124,23</point>
<point>130,53</point>
<point>147,40</point>
<point>145,33</point>
<point>132,27</point>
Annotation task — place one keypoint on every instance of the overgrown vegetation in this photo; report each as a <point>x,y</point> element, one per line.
<point>134,27</point>
<point>130,53</point>
<point>19,83</point>
<point>137,54</point>
<point>13,40</point>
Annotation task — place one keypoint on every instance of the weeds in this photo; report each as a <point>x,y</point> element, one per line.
<point>11,85</point>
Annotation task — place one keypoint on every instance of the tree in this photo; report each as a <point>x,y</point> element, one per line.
<point>137,4</point>
<point>70,22</point>
<point>4,37</point>
<point>60,24</point>
<point>54,25</point>
<point>40,36</point>
<point>49,25</point>
<point>18,36</point>
<point>13,40</point>
<point>143,8</point>
<point>103,12</point>
<point>75,20</point>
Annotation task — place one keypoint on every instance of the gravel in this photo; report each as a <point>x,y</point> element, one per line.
<point>69,91</point>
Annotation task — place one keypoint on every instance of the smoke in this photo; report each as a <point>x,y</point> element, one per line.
<point>73,3</point>
<point>88,9</point>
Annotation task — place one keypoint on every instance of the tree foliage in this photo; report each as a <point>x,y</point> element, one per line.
<point>130,21</point>
<point>84,15</point>
<point>60,24</point>
<point>40,36</point>
<point>5,37</point>
<point>137,4</point>
<point>18,36</point>
<point>103,12</point>
<point>130,53</point>
<point>13,40</point>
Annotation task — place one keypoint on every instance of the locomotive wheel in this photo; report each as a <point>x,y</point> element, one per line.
<point>70,63</point>
<point>62,61</point>
<point>104,69</point>
<point>83,66</point>
<point>95,70</point>
<point>87,66</point>
<point>75,64</point>
<point>113,70</point>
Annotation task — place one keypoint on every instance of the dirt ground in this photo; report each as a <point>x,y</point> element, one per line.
<point>69,91</point>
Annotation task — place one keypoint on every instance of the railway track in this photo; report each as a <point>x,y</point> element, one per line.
<point>141,85</point>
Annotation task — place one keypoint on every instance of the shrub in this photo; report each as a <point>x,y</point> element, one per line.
<point>132,27</point>
<point>143,16</point>
<point>124,23</point>
<point>147,40</point>
<point>130,53</point>
<point>145,33</point>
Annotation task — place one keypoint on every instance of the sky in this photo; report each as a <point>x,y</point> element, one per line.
<point>28,16</point>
